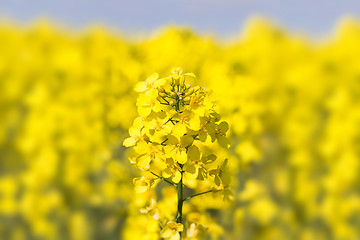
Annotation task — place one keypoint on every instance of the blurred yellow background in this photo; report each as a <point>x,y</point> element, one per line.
<point>67,101</point>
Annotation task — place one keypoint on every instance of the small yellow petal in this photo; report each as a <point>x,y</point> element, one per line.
<point>152,78</point>
<point>181,157</point>
<point>224,142</point>
<point>210,128</point>
<point>177,177</point>
<point>141,188</point>
<point>143,162</point>
<point>144,111</point>
<point>166,173</point>
<point>225,178</point>
<point>166,129</point>
<point>160,82</point>
<point>191,172</point>
<point>134,131</point>
<point>141,87</point>
<point>172,140</point>
<point>175,236</point>
<point>179,130</point>
<point>193,152</point>
<point>202,136</point>
<point>224,127</point>
<point>128,142</point>
<point>166,233</point>
<point>138,123</point>
<point>179,227</point>
<point>195,123</point>
<point>152,93</point>
<point>186,141</point>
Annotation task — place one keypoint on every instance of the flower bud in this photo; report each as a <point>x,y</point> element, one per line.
<point>162,94</point>
<point>191,91</point>
<point>176,80</point>
<point>196,88</point>
<point>187,99</point>
<point>173,94</point>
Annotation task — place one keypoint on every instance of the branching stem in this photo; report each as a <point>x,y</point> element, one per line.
<point>198,194</point>
<point>160,177</point>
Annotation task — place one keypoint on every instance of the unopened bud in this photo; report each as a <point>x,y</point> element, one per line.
<point>191,91</point>
<point>182,83</point>
<point>177,80</point>
<point>173,94</point>
<point>196,88</point>
<point>162,94</point>
<point>187,99</point>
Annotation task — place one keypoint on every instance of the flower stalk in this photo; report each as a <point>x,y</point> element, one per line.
<point>198,194</point>
<point>180,188</point>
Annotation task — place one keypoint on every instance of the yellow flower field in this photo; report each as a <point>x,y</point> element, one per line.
<point>290,107</point>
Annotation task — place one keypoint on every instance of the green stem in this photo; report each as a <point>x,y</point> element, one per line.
<point>180,184</point>
<point>174,184</point>
<point>198,194</point>
<point>177,106</point>
<point>180,201</point>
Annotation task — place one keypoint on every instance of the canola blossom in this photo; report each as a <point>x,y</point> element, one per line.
<point>289,105</point>
<point>172,140</point>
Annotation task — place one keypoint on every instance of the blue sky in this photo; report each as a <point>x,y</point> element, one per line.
<point>222,17</point>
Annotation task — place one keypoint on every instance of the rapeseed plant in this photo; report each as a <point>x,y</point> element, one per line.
<point>171,138</point>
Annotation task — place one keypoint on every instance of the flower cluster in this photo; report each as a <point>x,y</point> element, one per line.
<point>173,135</point>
